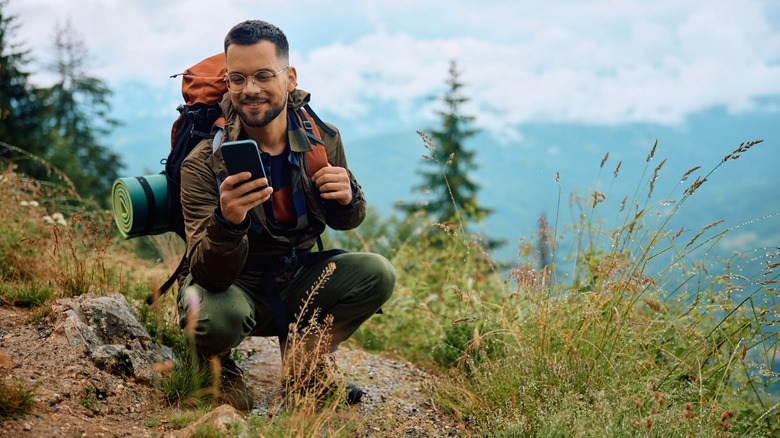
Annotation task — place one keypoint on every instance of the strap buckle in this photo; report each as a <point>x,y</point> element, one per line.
<point>287,263</point>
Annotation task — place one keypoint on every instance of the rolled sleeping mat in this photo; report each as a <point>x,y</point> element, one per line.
<point>140,205</point>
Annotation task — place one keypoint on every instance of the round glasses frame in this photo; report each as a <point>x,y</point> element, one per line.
<point>236,82</point>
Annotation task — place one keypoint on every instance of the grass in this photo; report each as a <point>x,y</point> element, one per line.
<point>627,330</point>
<point>16,398</point>
<point>619,324</point>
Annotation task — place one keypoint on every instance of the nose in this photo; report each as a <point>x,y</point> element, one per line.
<point>252,82</point>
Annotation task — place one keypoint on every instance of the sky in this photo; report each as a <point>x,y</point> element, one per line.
<point>579,61</point>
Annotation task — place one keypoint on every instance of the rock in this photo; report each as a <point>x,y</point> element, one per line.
<point>224,419</point>
<point>111,335</point>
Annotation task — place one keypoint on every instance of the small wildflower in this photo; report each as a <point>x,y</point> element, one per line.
<point>639,403</point>
<point>649,423</point>
<point>34,203</point>
<point>659,397</point>
<point>59,219</point>
<point>24,203</point>
<point>47,219</point>
<point>726,415</point>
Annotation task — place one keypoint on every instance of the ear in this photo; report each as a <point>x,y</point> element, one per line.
<point>292,79</point>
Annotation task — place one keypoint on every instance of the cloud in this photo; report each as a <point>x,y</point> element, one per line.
<point>601,62</point>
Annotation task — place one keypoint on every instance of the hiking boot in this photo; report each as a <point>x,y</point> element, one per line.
<point>232,388</point>
<point>354,393</point>
<point>323,384</point>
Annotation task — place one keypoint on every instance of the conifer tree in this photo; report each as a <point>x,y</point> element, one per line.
<point>446,185</point>
<point>20,106</point>
<point>77,119</point>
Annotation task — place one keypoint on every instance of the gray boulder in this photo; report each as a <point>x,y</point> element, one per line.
<point>111,334</point>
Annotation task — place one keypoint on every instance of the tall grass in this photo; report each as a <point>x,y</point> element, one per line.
<point>627,329</point>
<point>617,324</point>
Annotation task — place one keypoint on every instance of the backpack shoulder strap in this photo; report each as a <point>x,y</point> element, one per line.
<point>322,125</point>
<point>217,140</point>
<point>312,130</point>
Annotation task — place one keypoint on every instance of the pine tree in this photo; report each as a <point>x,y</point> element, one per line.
<point>446,186</point>
<point>77,117</point>
<point>20,105</point>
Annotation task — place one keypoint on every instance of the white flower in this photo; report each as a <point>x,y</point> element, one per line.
<point>33,203</point>
<point>58,217</point>
<point>47,219</point>
<point>24,203</point>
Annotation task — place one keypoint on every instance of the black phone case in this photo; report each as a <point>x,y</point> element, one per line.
<point>243,156</point>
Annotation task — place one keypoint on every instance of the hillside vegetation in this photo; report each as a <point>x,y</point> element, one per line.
<point>592,331</point>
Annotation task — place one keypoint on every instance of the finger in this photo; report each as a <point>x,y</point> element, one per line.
<point>332,178</point>
<point>235,180</point>
<point>253,198</point>
<point>327,170</point>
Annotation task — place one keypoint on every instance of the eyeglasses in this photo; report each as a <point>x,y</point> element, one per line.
<point>236,82</point>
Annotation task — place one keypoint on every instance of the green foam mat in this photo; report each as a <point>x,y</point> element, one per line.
<point>139,204</point>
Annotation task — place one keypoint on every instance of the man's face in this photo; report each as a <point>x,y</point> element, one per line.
<point>259,103</point>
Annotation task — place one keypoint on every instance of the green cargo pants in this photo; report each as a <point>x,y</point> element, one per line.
<point>361,283</point>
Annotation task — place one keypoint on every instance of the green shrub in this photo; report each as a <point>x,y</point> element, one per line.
<point>31,294</point>
<point>15,398</point>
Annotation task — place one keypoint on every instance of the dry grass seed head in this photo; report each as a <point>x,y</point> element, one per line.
<point>598,198</point>
<point>655,177</point>
<point>652,152</point>
<point>689,172</point>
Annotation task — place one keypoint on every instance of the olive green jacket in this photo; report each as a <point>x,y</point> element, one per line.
<point>217,253</point>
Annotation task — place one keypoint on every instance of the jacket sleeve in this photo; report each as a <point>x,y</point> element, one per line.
<point>216,253</point>
<point>337,216</point>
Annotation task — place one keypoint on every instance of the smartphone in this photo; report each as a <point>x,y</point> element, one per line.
<point>243,156</point>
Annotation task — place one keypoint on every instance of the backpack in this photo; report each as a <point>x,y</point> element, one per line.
<point>200,117</point>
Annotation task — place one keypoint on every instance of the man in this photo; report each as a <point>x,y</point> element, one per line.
<point>249,242</point>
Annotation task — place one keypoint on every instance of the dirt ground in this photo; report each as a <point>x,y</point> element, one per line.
<point>73,398</point>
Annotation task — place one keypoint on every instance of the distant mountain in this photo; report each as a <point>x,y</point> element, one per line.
<point>518,180</point>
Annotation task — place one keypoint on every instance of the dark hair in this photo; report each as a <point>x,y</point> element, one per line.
<point>252,31</point>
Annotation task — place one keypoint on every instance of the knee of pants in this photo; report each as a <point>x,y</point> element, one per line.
<point>220,320</point>
<point>384,277</point>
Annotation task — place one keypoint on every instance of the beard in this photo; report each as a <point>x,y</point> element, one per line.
<point>261,120</point>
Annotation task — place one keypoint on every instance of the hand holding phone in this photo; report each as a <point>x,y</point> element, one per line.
<point>243,156</point>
